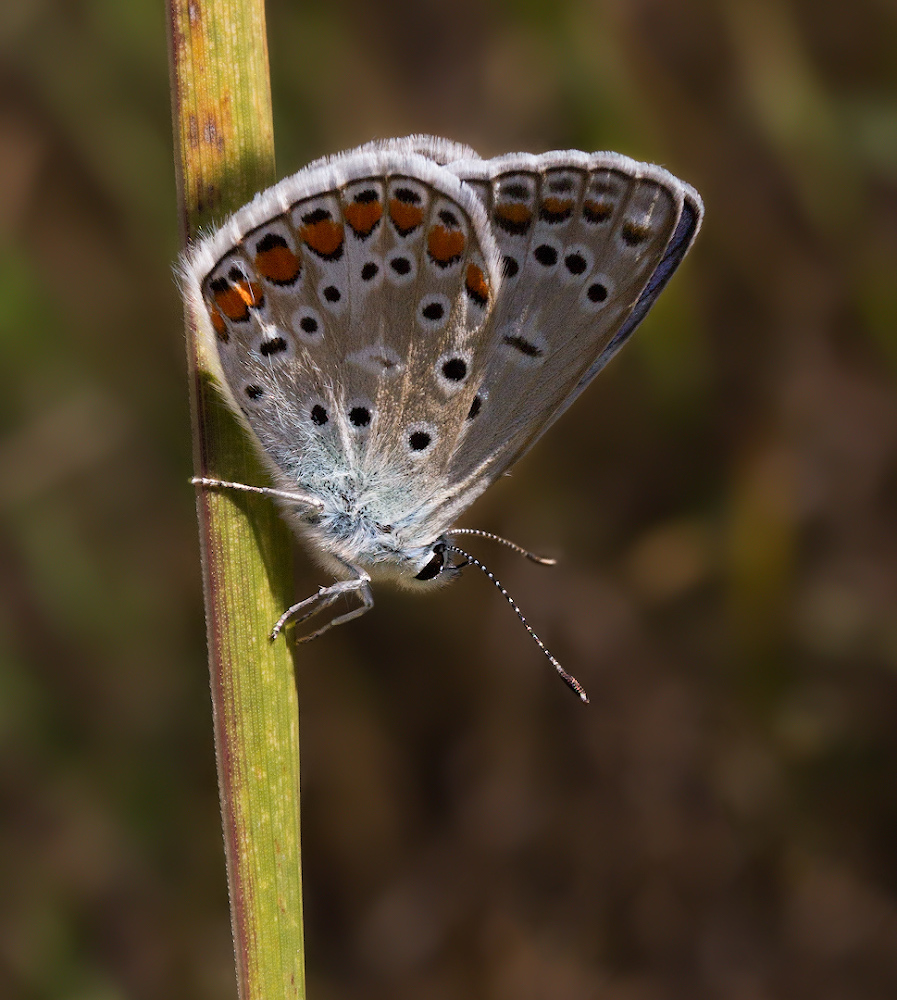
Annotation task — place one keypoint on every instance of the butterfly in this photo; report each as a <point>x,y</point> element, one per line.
<point>397,324</point>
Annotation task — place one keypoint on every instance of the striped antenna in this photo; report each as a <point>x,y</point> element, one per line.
<point>568,679</point>
<point>541,560</point>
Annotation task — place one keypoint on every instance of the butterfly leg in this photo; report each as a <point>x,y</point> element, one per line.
<point>326,596</point>
<point>265,491</point>
<point>367,602</point>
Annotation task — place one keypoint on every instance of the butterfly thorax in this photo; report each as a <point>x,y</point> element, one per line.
<point>370,523</point>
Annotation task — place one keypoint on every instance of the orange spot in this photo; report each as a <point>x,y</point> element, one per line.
<point>325,237</point>
<point>251,293</point>
<point>514,217</point>
<point>445,245</point>
<point>219,324</point>
<point>236,300</point>
<point>597,211</point>
<point>406,217</point>
<point>477,286</point>
<point>556,209</point>
<point>278,264</point>
<point>363,216</point>
<point>633,233</point>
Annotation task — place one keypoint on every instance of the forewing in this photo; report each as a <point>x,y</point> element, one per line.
<point>588,241</point>
<point>432,147</point>
<point>341,309</point>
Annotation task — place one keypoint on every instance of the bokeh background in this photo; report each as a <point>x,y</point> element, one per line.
<point>721,822</point>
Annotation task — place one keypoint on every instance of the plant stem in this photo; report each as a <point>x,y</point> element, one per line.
<point>221,107</point>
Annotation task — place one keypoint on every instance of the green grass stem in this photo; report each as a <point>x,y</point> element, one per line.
<point>221,107</point>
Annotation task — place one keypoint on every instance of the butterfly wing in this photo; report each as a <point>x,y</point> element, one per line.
<point>588,241</point>
<point>341,311</point>
<point>396,325</point>
<point>432,147</point>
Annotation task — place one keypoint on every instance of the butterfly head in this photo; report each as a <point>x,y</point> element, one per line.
<point>432,565</point>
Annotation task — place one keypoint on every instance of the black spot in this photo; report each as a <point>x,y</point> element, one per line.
<point>597,292</point>
<point>511,226</point>
<point>597,211</point>
<point>633,233</point>
<point>575,263</point>
<point>369,271</point>
<point>270,241</point>
<point>515,191</point>
<point>332,293</point>
<point>510,266</point>
<point>524,346</point>
<point>475,294</point>
<point>254,391</point>
<point>455,369</point>
<point>547,215</point>
<point>318,215</point>
<point>236,275</point>
<point>273,346</point>
<point>309,324</point>
<point>560,184</point>
<point>365,197</point>
<point>318,415</point>
<point>407,195</point>
<point>360,416</point>
<point>219,285</point>
<point>433,310</point>
<point>475,407</point>
<point>547,256</point>
<point>434,566</point>
<point>449,218</point>
<point>419,440</point>
<point>401,265</point>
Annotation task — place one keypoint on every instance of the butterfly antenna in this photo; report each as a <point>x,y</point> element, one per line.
<point>541,560</point>
<point>568,679</point>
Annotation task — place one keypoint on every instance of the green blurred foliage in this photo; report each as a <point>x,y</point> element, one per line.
<point>721,821</point>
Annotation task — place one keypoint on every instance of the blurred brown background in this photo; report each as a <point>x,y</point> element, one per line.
<point>721,822</point>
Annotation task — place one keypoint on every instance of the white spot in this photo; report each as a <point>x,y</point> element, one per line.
<point>308,325</point>
<point>360,416</point>
<point>275,342</point>
<point>590,295</point>
<point>546,252</point>
<point>378,359</point>
<point>365,280</point>
<point>524,343</point>
<point>449,367</point>
<point>420,439</point>
<point>428,311</point>
<point>401,267</point>
<point>422,203</point>
<point>306,208</point>
<point>332,294</point>
<point>576,263</point>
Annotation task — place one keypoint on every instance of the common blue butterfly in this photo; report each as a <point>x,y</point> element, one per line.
<point>397,324</point>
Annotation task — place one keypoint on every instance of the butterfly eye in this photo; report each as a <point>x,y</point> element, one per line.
<point>434,566</point>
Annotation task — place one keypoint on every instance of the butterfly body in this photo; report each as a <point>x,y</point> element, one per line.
<point>396,325</point>
<point>353,529</point>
